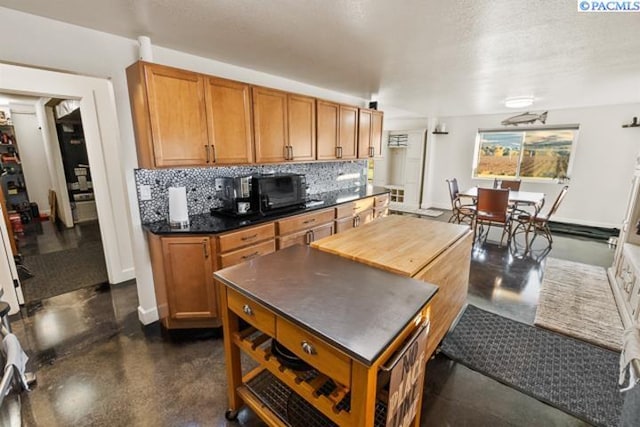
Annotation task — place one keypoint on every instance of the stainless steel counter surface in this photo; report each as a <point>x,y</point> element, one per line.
<point>214,224</point>
<point>356,308</point>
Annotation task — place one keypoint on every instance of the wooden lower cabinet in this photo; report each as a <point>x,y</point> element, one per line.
<point>183,276</point>
<point>183,266</point>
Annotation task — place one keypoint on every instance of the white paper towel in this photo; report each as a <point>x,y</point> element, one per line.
<point>178,213</point>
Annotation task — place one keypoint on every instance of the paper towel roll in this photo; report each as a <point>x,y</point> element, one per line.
<point>178,213</point>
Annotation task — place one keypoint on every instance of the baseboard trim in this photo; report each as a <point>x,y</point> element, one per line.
<point>147,316</point>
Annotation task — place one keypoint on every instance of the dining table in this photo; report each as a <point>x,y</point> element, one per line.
<point>516,198</point>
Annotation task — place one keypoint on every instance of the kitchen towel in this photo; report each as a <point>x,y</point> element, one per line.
<point>178,213</point>
<point>15,357</point>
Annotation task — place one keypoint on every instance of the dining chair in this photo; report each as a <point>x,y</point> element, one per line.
<point>460,212</point>
<point>513,185</point>
<point>492,208</point>
<point>537,223</point>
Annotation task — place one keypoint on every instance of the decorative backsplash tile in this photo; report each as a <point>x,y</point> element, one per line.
<point>201,195</point>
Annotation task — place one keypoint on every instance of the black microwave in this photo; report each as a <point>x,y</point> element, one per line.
<point>261,194</point>
<point>279,191</point>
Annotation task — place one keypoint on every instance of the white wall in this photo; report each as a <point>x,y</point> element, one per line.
<point>32,40</point>
<point>32,154</point>
<point>602,167</point>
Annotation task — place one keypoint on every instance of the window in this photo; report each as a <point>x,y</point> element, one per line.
<point>540,153</point>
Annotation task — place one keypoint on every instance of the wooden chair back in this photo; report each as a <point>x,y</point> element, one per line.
<point>513,185</point>
<point>493,203</point>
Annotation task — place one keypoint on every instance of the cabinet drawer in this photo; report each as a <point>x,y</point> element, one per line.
<point>345,210</point>
<point>364,217</point>
<point>344,224</point>
<point>314,351</point>
<point>252,312</point>
<point>380,212</point>
<point>238,239</point>
<point>245,254</point>
<point>305,237</point>
<point>363,205</point>
<point>381,201</point>
<point>304,222</point>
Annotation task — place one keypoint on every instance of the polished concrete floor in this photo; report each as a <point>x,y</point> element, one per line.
<point>97,366</point>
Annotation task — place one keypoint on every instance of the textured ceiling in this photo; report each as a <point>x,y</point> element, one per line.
<point>426,56</point>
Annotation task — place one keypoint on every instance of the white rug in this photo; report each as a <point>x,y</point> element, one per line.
<point>576,300</point>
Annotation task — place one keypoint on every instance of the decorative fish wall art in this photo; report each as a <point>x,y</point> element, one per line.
<point>525,118</point>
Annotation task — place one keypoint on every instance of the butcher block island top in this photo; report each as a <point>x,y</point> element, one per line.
<point>400,244</point>
<point>433,251</point>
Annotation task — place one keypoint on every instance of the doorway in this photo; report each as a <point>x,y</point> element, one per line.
<point>47,186</point>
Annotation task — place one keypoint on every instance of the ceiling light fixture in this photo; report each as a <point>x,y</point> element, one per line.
<point>518,101</point>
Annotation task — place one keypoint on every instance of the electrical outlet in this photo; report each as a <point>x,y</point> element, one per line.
<point>145,192</point>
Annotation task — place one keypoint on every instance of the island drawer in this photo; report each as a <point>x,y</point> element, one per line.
<point>314,351</point>
<point>238,239</point>
<point>245,254</point>
<point>303,222</point>
<point>252,312</point>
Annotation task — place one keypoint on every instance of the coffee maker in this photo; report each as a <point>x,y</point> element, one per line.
<point>237,195</point>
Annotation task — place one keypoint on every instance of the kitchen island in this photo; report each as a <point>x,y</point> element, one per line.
<point>344,319</point>
<point>433,251</point>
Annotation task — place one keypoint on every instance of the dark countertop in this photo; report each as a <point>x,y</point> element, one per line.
<point>214,224</point>
<point>356,308</point>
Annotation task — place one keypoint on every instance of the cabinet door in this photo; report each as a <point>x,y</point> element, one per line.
<point>302,127</point>
<point>364,135</point>
<point>270,124</point>
<point>348,127</point>
<point>328,120</point>
<point>188,265</point>
<point>229,114</point>
<point>376,133</point>
<point>178,116</point>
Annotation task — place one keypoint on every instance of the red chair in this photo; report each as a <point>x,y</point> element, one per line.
<point>492,208</point>
<point>513,185</point>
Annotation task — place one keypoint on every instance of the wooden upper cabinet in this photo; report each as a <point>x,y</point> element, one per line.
<point>364,134</point>
<point>328,114</point>
<point>369,134</point>
<point>270,124</point>
<point>348,132</point>
<point>337,131</point>
<point>302,127</point>
<point>177,115</point>
<point>182,119</point>
<point>376,133</point>
<point>229,119</point>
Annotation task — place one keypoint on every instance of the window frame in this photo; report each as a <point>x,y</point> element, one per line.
<point>523,130</point>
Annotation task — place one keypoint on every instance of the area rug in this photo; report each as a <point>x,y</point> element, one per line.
<point>60,272</point>
<point>576,300</point>
<point>574,376</point>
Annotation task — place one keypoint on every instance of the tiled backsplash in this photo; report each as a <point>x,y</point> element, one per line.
<point>201,195</point>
